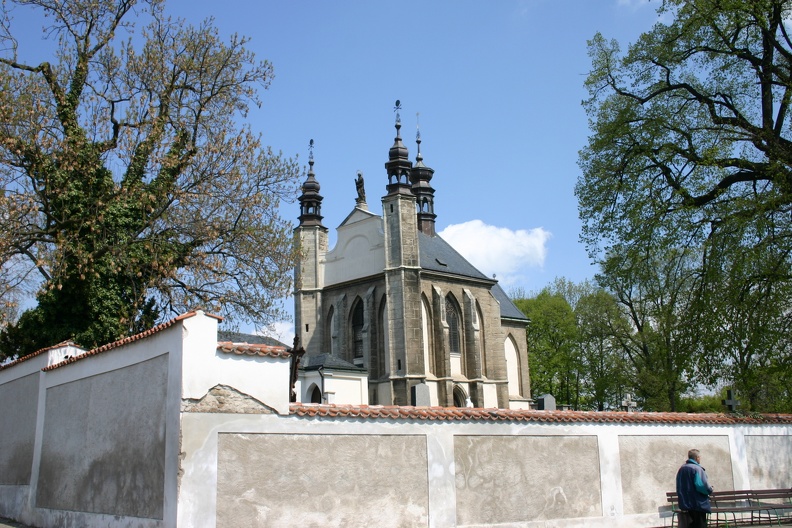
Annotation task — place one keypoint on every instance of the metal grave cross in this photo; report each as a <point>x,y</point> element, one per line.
<point>730,403</point>
<point>628,404</point>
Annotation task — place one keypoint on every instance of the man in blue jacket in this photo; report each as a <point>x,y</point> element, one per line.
<point>693,490</point>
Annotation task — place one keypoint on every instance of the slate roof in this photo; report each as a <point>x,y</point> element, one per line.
<point>251,339</point>
<point>507,307</point>
<point>374,412</point>
<point>328,361</point>
<point>438,255</point>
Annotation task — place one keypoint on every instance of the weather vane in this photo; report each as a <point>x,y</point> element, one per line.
<point>310,150</point>
<point>417,126</point>
<point>396,109</point>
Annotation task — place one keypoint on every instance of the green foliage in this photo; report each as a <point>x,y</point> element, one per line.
<point>689,162</point>
<point>572,349</point>
<point>552,337</point>
<point>708,403</point>
<point>128,184</point>
<point>601,324</point>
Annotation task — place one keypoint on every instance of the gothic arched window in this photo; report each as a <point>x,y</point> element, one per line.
<point>512,366</point>
<point>452,318</point>
<point>316,395</point>
<point>357,330</point>
<point>329,334</point>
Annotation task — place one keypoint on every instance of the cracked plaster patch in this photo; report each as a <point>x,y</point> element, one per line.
<point>223,399</point>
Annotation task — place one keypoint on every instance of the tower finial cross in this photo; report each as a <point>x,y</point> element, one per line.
<point>396,109</point>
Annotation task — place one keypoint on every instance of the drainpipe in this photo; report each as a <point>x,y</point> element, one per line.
<point>321,375</point>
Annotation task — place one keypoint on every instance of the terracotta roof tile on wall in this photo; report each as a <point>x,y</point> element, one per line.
<point>508,415</point>
<point>127,340</point>
<point>255,349</point>
<point>62,344</point>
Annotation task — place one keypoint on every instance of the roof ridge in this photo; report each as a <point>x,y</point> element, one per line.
<point>515,415</point>
<point>130,339</point>
<point>254,349</point>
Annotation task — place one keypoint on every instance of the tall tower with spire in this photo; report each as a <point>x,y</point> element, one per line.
<point>310,236</point>
<point>402,273</point>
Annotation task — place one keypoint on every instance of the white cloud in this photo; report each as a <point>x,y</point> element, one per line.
<point>499,250</point>
<point>633,4</point>
<point>283,331</point>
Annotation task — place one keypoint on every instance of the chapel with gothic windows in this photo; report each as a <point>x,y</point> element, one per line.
<point>394,302</point>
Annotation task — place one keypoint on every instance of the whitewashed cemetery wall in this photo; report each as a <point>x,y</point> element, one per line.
<point>166,430</point>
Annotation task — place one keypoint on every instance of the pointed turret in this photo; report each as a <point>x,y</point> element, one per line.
<point>398,164</point>
<point>420,176</point>
<point>310,199</point>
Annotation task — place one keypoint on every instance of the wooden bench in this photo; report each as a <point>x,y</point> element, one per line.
<point>778,500</point>
<point>743,507</point>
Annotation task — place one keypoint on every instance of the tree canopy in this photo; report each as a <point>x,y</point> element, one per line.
<point>575,346</point>
<point>691,156</point>
<point>130,189</point>
<point>691,130</point>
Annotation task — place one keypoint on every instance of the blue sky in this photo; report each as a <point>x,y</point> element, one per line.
<point>498,85</point>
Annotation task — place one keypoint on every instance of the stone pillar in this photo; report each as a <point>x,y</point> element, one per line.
<point>445,385</point>
<point>473,350</point>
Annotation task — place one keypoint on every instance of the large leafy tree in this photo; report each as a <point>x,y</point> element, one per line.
<point>128,187</point>
<point>691,128</point>
<point>690,151</point>
<point>745,324</point>
<point>656,292</point>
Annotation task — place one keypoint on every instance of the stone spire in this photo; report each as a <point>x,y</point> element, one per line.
<point>420,176</point>
<point>310,199</point>
<point>398,164</point>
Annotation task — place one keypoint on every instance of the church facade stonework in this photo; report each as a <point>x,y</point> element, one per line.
<point>396,301</point>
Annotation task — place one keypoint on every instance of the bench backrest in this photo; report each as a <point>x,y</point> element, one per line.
<point>784,494</point>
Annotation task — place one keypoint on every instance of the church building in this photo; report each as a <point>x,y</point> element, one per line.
<point>396,302</point>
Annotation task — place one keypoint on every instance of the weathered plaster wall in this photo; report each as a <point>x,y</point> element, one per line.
<point>297,471</point>
<point>769,460</point>
<point>649,465</point>
<point>106,434</point>
<point>502,479</point>
<point>321,480</point>
<point>18,424</point>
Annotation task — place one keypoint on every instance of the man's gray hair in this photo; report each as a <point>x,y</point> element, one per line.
<point>694,454</point>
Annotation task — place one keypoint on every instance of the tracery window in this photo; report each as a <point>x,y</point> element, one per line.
<point>452,318</point>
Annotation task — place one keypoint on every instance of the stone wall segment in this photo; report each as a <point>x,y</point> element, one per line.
<point>106,434</point>
<point>321,480</point>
